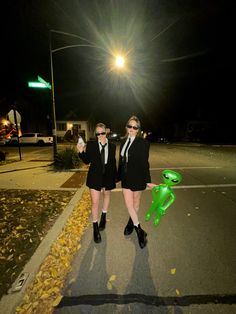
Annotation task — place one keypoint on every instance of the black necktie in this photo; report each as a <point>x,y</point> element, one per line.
<point>103,157</point>
<point>126,148</point>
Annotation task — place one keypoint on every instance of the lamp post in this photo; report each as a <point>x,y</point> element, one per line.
<point>51,51</point>
<point>54,127</point>
<point>119,64</point>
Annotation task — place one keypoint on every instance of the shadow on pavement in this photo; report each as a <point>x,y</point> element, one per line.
<point>140,294</point>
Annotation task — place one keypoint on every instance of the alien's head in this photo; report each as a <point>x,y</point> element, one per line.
<point>171,177</point>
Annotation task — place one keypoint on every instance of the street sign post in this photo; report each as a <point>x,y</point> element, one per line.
<point>15,117</point>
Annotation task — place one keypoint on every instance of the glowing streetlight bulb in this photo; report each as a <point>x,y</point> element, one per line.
<point>120,62</point>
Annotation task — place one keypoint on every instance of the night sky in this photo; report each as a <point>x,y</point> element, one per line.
<point>180,62</point>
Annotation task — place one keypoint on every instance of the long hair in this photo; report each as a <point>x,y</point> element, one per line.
<point>134,118</point>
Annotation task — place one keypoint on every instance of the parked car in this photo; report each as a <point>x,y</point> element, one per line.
<point>162,140</point>
<point>113,136</point>
<point>32,138</point>
<point>151,137</point>
<point>155,138</point>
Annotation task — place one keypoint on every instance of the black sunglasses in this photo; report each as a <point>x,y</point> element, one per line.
<point>132,126</point>
<point>102,133</point>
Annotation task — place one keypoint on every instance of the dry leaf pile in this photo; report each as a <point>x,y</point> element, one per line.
<point>25,218</point>
<point>45,292</point>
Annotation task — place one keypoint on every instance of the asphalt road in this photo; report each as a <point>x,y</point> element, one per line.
<point>188,265</point>
<point>28,152</point>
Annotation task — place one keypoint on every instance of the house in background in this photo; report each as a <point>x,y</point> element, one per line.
<point>71,130</point>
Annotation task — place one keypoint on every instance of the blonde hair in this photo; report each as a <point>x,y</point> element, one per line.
<point>99,125</point>
<point>134,118</point>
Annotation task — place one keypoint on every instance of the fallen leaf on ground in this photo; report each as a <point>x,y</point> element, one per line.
<point>112,278</point>
<point>109,285</point>
<point>58,262</point>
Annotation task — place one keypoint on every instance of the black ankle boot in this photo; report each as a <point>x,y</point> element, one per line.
<point>96,233</point>
<point>129,227</point>
<point>141,236</point>
<point>102,223</point>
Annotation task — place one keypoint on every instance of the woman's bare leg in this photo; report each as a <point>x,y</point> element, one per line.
<point>95,197</point>
<point>129,202</point>
<point>136,199</point>
<point>106,200</point>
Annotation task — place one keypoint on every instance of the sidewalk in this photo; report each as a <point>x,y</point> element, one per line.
<point>32,175</point>
<point>37,175</point>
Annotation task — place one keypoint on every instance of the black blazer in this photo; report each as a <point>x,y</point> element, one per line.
<point>136,174</point>
<point>95,177</point>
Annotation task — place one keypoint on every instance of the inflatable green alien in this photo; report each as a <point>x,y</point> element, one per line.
<point>162,195</point>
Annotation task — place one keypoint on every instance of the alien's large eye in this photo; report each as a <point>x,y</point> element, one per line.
<point>175,181</point>
<point>165,176</point>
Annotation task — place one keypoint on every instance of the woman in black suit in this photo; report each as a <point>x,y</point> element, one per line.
<point>134,174</point>
<point>102,174</point>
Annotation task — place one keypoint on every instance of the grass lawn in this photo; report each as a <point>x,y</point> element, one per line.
<point>25,218</point>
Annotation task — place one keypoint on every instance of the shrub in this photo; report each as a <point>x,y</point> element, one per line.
<point>67,159</point>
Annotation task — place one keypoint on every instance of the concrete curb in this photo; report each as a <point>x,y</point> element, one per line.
<point>9,302</point>
<point>41,166</point>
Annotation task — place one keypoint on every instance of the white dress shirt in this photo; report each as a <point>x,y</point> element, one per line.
<point>132,138</point>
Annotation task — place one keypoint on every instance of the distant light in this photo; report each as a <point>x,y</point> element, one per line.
<point>120,62</point>
<point>5,122</point>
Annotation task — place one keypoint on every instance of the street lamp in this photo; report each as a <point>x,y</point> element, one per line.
<point>119,63</point>
<point>87,44</point>
<point>54,128</point>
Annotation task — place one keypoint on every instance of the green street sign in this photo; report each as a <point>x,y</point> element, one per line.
<point>37,85</point>
<point>41,80</point>
<point>40,84</point>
